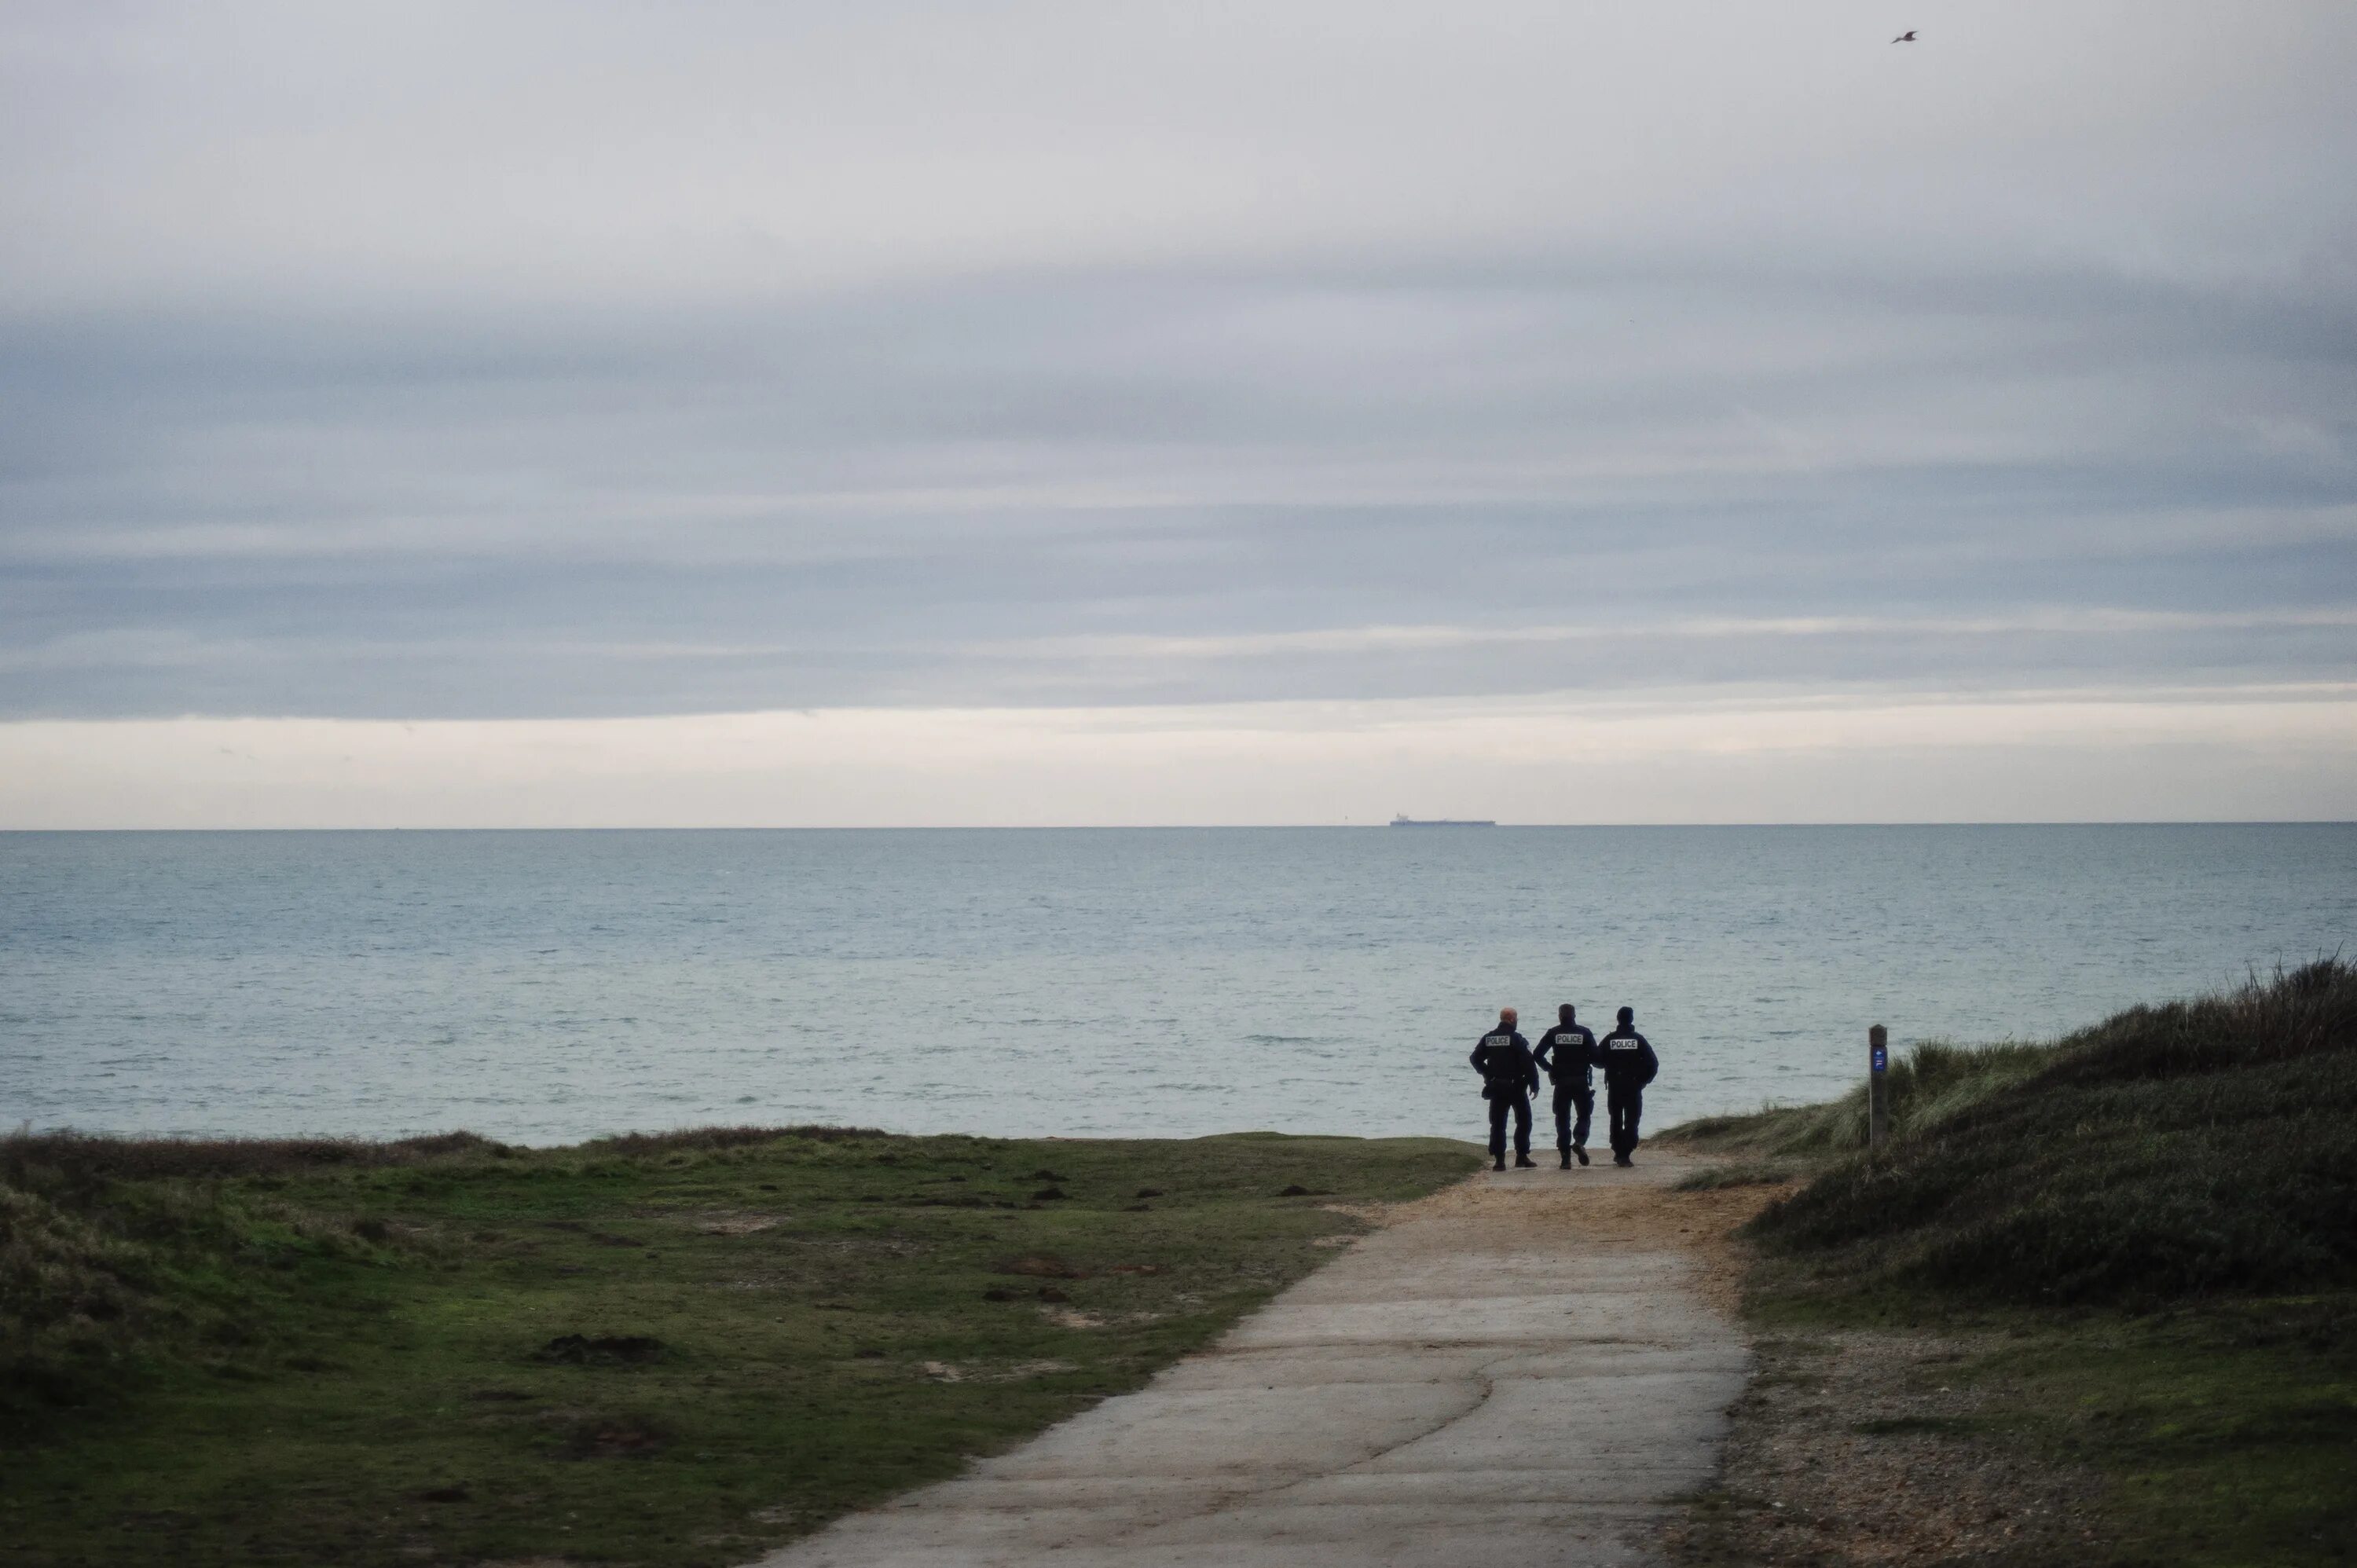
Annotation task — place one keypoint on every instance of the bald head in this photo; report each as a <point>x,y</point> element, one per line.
<point>1508,1016</point>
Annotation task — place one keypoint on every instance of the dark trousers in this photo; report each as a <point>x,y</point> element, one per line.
<point>1624,1105</point>
<point>1500,1101</point>
<point>1568,1095</point>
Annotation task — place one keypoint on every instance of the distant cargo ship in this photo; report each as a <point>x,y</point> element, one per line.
<point>1406,822</point>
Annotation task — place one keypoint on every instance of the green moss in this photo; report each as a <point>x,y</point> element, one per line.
<point>348,1358</point>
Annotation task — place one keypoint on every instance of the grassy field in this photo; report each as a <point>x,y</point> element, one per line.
<point>2142,1238</point>
<point>664,1350</point>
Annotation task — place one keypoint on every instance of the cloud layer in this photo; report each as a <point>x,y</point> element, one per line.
<point>574,362</point>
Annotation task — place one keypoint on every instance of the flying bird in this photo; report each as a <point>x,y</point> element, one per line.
<point>1906,37</point>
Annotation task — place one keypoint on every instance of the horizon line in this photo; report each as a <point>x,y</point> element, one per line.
<point>1195,827</point>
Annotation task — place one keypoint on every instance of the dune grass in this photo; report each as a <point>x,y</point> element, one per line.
<point>659,1349</point>
<point>2149,1231</point>
<point>1743,1173</point>
<point>2168,1152</point>
<point>1925,1086</point>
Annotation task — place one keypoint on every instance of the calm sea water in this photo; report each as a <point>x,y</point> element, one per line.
<point>550,986</point>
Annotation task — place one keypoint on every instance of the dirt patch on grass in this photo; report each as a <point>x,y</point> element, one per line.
<point>733,1224</point>
<point>987,1372</point>
<point>1707,1222</point>
<point>1040,1266</point>
<point>601,1350</point>
<point>616,1437</point>
<point>1861,1448</point>
<point>1377,1214</point>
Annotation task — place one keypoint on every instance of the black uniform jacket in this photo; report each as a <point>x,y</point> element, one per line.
<point>1568,1051</point>
<point>1503,1057</point>
<point>1628,1062</point>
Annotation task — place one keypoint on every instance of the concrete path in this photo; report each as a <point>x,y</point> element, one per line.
<point>1525,1367</point>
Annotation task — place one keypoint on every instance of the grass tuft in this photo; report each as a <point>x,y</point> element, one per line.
<point>1929,1085</point>
<point>82,1158</point>
<point>1712,1178</point>
<point>709,1138</point>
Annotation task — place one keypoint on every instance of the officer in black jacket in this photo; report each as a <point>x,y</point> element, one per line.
<point>1509,1078</point>
<point>1628,1065</point>
<point>1568,1051</point>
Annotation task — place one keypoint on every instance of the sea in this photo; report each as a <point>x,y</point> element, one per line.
<point>547,987</point>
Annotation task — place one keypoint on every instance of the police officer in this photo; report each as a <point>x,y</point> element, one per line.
<point>1509,1078</point>
<point>1628,1065</point>
<point>1568,1051</point>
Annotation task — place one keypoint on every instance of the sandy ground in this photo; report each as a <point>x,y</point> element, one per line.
<point>1532,1367</point>
<point>1854,1450</point>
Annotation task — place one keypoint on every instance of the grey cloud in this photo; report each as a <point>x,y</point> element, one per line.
<point>1164,386</point>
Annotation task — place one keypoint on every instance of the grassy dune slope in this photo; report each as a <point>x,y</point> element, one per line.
<point>2144,1239</point>
<point>648,1350</point>
<point>2174,1152</point>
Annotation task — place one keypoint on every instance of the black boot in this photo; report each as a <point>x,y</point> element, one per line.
<point>1501,1165</point>
<point>1524,1163</point>
<point>1581,1150</point>
<point>1567,1159</point>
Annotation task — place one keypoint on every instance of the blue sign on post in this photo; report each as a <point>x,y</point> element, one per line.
<point>1878,1063</point>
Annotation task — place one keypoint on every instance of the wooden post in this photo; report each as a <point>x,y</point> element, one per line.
<point>1877,1101</point>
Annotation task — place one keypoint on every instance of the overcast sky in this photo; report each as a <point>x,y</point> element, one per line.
<point>870,413</point>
